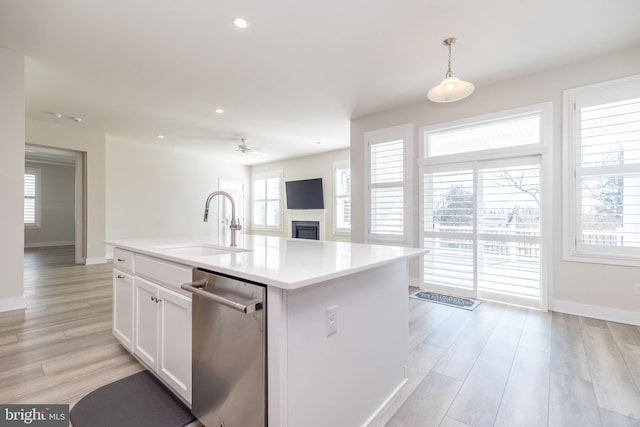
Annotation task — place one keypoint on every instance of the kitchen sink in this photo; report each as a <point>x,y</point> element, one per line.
<point>200,250</point>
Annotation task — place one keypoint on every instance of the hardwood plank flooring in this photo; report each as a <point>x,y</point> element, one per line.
<point>497,365</point>
<point>61,347</point>
<point>517,367</point>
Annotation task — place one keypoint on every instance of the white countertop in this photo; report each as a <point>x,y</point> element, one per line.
<point>274,261</point>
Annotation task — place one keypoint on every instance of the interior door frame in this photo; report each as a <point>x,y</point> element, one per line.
<point>80,208</point>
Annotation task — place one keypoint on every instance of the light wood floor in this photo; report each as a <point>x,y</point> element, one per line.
<point>61,347</point>
<point>495,366</point>
<point>507,366</point>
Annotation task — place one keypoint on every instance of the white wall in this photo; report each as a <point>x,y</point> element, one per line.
<point>316,166</point>
<point>12,122</point>
<point>57,207</point>
<point>92,145</point>
<point>157,191</point>
<point>590,289</point>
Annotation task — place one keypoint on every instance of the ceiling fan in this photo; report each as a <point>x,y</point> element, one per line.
<point>243,147</point>
<point>247,152</point>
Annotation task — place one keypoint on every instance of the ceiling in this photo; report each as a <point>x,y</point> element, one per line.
<point>292,80</point>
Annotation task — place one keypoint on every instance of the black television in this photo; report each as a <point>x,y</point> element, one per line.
<point>305,194</point>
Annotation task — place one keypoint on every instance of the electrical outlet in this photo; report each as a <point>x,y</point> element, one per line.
<point>637,289</point>
<point>332,320</point>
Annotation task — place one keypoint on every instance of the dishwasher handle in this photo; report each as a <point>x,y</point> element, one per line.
<point>196,288</point>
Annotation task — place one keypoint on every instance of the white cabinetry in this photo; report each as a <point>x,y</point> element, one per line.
<point>123,298</point>
<point>163,334</point>
<point>147,316</point>
<point>174,356</point>
<point>152,316</point>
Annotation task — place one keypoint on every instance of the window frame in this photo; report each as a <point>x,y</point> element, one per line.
<point>266,175</point>
<point>498,155</point>
<point>405,133</point>
<point>339,165</point>
<point>37,198</point>
<point>543,109</point>
<point>572,249</point>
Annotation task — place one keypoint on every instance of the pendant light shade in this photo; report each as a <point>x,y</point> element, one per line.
<point>451,88</point>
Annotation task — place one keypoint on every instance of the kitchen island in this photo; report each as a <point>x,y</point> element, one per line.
<point>336,318</point>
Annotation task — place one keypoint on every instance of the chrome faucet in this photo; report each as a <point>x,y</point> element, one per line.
<point>235,225</point>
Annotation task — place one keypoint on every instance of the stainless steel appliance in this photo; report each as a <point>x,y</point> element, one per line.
<point>229,350</point>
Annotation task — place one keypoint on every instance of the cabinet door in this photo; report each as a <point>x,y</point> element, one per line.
<point>123,308</point>
<point>174,361</point>
<point>146,322</point>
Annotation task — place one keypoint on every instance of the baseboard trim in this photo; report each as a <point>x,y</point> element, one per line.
<point>95,260</point>
<point>11,304</point>
<point>49,244</point>
<point>387,400</point>
<point>597,312</point>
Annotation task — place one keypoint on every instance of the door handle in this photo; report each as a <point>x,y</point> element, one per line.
<point>196,288</point>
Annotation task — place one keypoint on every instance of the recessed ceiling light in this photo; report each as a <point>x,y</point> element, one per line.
<point>58,115</point>
<point>77,119</point>
<point>240,22</point>
<point>159,136</point>
<point>219,111</point>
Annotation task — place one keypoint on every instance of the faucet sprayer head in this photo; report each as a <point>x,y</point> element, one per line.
<point>206,215</point>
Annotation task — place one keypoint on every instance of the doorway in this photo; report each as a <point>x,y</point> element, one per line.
<point>482,229</point>
<point>54,200</point>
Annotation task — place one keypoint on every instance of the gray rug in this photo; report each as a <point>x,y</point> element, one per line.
<point>139,400</point>
<point>450,300</point>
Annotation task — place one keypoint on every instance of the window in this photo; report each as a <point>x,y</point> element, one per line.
<point>505,132</point>
<point>491,134</point>
<point>482,218</point>
<point>388,181</point>
<point>267,201</point>
<point>602,172</point>
<point>342,193</point>
<point>31,198</point>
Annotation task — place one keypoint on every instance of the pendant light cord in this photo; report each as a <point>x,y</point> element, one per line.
<point>449,73</point>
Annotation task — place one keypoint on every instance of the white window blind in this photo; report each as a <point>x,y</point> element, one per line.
<point>509,230</point>
<point>267,201</point>
<point>387,188</point>
<point>388,181</point>
<point>31,197</point>
<point>603,143</point>
<point>342,191</point>
<point>449,211</point>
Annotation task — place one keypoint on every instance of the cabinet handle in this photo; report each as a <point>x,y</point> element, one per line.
<point>153,298</point>
<point>119,276</point>
<point>158,300</point>
<point>120,260</point>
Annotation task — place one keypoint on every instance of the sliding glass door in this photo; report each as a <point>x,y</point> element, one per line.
<point>482,229</point>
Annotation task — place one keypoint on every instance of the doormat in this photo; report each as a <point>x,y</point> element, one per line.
<point>450,300</point>
<point>139,400</point>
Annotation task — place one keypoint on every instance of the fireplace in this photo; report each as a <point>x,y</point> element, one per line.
<point>305,230</point>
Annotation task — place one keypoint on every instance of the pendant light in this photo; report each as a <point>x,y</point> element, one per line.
<point>451,88</point>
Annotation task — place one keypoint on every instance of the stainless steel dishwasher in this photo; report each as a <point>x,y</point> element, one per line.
<point>229,350</point>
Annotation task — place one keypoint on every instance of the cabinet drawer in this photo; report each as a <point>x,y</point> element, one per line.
<point>163,272</point>
<point>123,260</point>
